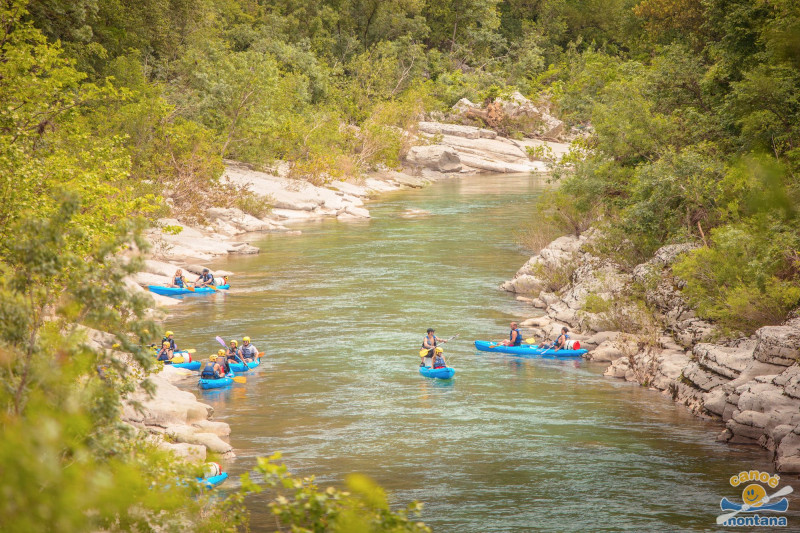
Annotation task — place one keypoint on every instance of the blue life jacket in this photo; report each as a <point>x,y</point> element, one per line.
<point>208,372</point>
<point>435,341</point>
<point>207,277</point>
<point>178,281</point>
<point>171,342</point>
<point>163,355</point>
<point>518,341</point>
<point>438,362</point>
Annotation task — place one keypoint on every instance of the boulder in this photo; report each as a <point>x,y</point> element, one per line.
<point>607,351</point>
<point>464,105</point>
<point>193,453</point>
<point>468,132</point>
<point>779,345</point>
<point>436,157</point>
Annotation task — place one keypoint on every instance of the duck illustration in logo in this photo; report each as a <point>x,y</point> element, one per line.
<point>754,498</point>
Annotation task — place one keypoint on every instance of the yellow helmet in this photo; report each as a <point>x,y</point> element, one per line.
<point>167,334</point>
<point>212,358</point>
<point>439,350</point>
<point>246,339</point>
<point>234,343</point>
<point>221,352</point>
<point>165,344</point>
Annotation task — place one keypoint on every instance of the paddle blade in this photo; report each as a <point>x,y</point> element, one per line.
<point>222,342</point>
<point>178,359</point>
<point>240,379</point>
<point>191,350</point>
<point>189,288</point>
<point>423,352</point>
<point>261,354</point>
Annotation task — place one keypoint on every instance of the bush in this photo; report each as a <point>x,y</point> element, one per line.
<point>747,278</point>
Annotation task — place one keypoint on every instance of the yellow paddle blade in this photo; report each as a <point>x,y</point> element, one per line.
<point>240,379</point>
<point>178,359</point>
<point>183,371</point>
<point>423,352</point>
<point>531,340</point>
<point>191,350</point>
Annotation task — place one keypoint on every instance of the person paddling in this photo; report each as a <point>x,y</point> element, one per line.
<point>233,355</point>
<point>560,342</point>
<point>514,337</point>
<point>205,279</point>
<point>248,352</point>
<point>430,342</point>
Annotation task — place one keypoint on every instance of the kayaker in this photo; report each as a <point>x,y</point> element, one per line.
<point>212,370</point>
<point>178,280</point>
<point>223,361</point>
<point>248,351</point>
<point>438,359</point>
<point>514,337</point>
<point>560,341</point>
<point>168,337</point>
<point>205,279</point>
<point>429,342</point>
<point>165,353</point>
<point>233,355</point>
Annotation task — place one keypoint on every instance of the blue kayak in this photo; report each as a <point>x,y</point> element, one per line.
<point>216,383</point>
<point>239,367</point>
<point>214,481</point>
<point>177,291</point>
<point>192,365</point>
<point>527,350</point>
<point>438,373</point>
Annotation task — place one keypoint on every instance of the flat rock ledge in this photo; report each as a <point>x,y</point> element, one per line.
<point>176,421</point>
<point>752,385</point>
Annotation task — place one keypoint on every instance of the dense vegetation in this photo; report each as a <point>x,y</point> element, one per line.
<point>115,111</point>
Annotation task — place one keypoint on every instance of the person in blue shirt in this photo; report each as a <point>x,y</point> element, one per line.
<point>205,279</point>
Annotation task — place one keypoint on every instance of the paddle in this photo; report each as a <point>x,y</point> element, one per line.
<point>222,342</point>
<point>240,379</point>
<point>190,350</point>
<point>721,519</point>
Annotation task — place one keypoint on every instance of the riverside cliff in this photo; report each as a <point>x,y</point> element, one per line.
<point>751,384</point>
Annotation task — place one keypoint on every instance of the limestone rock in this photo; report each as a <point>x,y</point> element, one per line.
<point>441,158</point>
<point>779,345</point>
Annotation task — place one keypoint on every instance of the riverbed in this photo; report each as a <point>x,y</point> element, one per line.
<point>509,444</point>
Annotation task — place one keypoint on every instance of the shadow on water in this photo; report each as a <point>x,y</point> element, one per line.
<point>509,444</point>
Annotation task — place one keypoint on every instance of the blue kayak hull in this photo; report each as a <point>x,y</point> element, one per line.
<point>193,365</point>
<point>529,350</point>
<point>239,367</point>
<point>216,383</point>
<point>438,373</point>
<point>177,291</point>
<point>214,481</point>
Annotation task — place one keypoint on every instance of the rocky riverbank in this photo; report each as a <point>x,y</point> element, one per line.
<point>175,419</point>
<point>752,384</point>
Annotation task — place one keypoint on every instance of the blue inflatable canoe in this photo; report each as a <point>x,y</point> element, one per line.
<point>216,383</point>
<point>214,481</point>
<point>177,291</point>
<point>438,373</point>
<point>192,365</point>
<point>239,367</point>
<point>527,350</point>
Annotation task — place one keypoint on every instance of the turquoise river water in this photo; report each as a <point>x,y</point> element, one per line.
<point>509,444</point>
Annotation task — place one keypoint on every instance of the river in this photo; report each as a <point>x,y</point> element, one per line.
<point>509,444</point>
